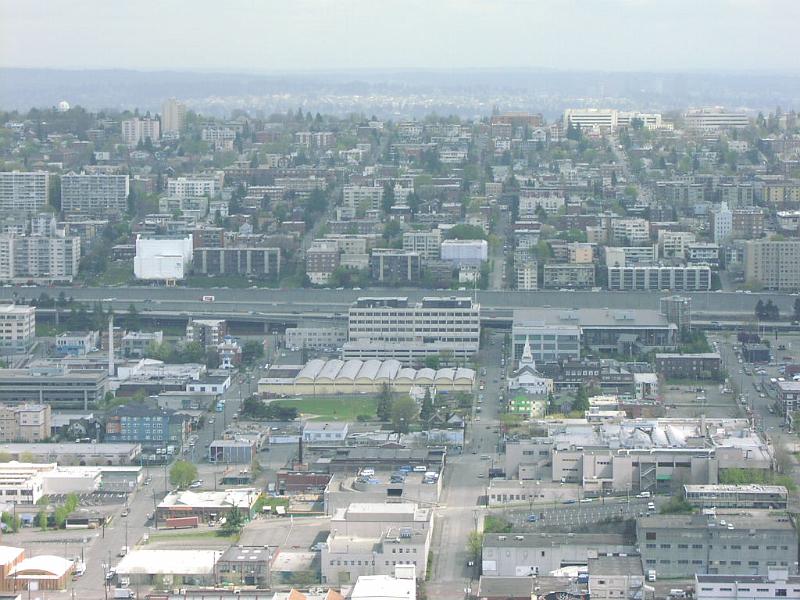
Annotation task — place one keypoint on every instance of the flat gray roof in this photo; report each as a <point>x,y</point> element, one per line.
<point>590,317</point>
<point>527,539</point>
<point>616,565</point>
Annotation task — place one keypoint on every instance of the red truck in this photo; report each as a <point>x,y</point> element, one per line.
<point>182,522</point>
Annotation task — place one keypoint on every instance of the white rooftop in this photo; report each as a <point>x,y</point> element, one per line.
<point>383,587</point>
<point>167,562</point>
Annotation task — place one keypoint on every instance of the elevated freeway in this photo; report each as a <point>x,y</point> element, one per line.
<point>276,306</point>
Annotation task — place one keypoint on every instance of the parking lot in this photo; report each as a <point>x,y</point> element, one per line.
<point>580,514</point>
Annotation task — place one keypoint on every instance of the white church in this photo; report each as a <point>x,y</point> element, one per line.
<point>526,378</point>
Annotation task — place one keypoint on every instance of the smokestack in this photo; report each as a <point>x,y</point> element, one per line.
<point>300,449</point>
<point>111,345</point>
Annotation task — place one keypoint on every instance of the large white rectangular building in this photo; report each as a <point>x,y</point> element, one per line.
<point>17,326</point>
<point>95,194</point>
<point>387,328</point>
<point>162,259</point>
<point>463,253</point>
<point>713,119</point>
<point>23,191</point>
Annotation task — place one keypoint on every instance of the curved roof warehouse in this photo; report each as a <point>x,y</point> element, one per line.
<point>363,377</point>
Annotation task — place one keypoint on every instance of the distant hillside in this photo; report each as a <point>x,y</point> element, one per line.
<point>397,93</point>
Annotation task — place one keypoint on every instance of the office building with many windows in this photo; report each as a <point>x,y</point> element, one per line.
<point>773,265</point>
<point>387,328</point>
<point>17,327</point>
<point>23,191</point>
<point>96,194</point>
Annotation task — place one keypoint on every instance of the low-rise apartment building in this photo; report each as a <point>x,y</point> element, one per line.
<point>25,423</point>
<point>427,244</point>
<point>315,338</point>
<point>577,276</point>
<point>690,278</point>
<point>704,365</point>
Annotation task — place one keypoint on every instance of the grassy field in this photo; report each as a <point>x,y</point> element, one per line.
<point>334,408</point>
<point>116,273</point>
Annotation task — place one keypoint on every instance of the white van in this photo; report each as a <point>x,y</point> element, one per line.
<point>643,495</point>
<point>367,472</point>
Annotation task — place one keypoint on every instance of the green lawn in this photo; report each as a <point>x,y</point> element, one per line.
<point>116,273</point>
<point>333,408</point>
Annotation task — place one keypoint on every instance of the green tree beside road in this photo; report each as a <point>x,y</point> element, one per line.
<point>182,474</point>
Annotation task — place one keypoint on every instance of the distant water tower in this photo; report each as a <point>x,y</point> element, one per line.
<point>63,106</point>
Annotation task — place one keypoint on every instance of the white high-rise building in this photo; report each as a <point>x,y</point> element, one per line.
<point>23,191</point>
<point>37,258</point>
<point>95,193</point>
<point>723,223</point>
<point>173,115</point>
<point>140,129</point>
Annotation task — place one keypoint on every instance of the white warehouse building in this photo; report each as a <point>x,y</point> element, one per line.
<point>465,252</point>
<point>162,259</point>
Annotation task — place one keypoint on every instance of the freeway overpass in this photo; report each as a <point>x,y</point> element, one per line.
<point>295,301</point>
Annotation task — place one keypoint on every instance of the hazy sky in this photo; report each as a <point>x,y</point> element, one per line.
<point>267,35</point>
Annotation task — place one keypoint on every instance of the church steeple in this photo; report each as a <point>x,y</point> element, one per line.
<point>527,355</point>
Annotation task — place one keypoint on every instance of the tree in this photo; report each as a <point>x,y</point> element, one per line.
<point>474,545</point>
<point>182,474</point>
<point>234,521</point>
<point>581,400</point>
<point>465,232</point>
<point>384,408</point>
<point>759,309</point>
<point>432,362</point>
<point>252,351</point>
<point>41,520</point>
<point>388,197</point>
<point>427,411</point>
<point>404,412</point>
